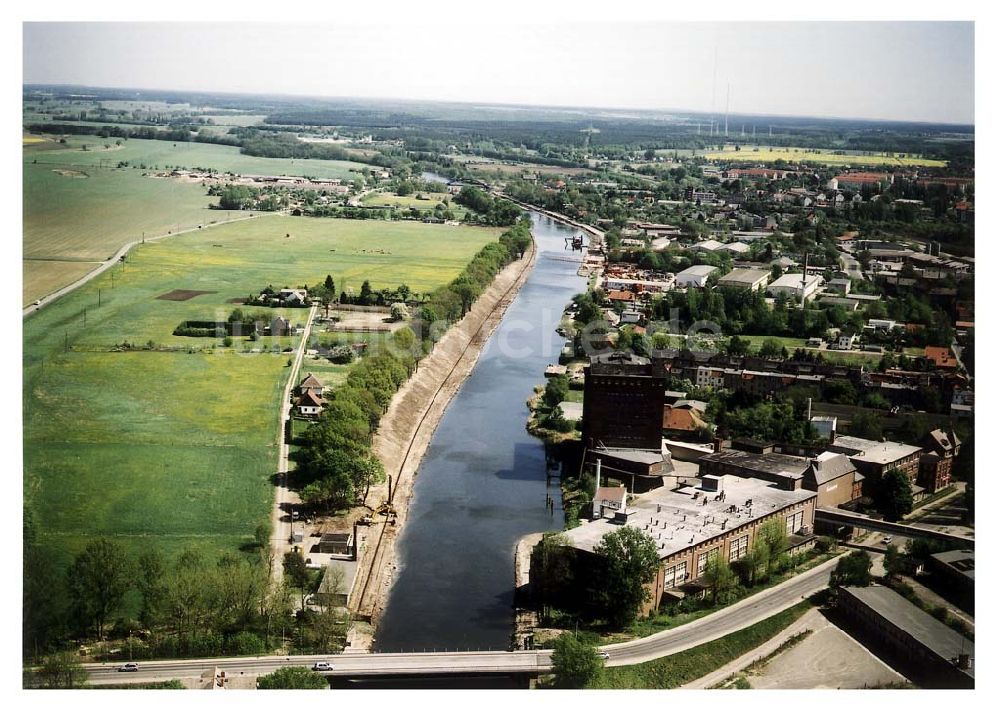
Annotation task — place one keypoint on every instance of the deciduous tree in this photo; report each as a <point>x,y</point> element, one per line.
<point>98,579</point>
<point>574,663</point>
<point>630,561</point>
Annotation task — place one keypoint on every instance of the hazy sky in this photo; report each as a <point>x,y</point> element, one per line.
<point>908,71</point>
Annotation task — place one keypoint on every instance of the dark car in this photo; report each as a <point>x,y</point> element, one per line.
<point>128,668</point>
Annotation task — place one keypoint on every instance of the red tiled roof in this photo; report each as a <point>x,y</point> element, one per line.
<point>310,382</point>
<point>941,357</point>
<point>311,398</point>
<point>682,418</point>
<point>621,295</point>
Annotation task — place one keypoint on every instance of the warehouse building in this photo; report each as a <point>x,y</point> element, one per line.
<point>694,277</point>
<point>795,287</point>
<point>937,655</point>
<point>745,278</point>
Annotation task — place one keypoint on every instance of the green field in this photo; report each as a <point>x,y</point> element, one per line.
<point>820,156</point>
<point>789,343</point>
<point>189,155</point>
<point>79,207</point>
<point>74,219</point>
<point>176,445</point>
<point>405,202</point>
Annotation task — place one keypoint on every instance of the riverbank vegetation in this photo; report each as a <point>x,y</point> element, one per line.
<point>335,464</point>
<point>115,605</point>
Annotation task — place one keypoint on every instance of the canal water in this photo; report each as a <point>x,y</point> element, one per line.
<point>481,486</point>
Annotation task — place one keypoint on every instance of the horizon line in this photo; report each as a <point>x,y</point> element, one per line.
<point>493,103</point>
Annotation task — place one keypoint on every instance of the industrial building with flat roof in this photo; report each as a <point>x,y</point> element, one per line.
<point>830,475</point>
<point>746,278</point>
<point>940,656</point>
<point>691,523</point>
<point>694,277</point>
<point>794,285</point>
<point>873,459</point>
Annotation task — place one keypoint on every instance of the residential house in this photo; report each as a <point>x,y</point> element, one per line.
<point>940,449</point>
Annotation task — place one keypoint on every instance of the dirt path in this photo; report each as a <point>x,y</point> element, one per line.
<point>280,536</point>
<point>809,620</point>
<point>105,265</point>
<point>410,422</point>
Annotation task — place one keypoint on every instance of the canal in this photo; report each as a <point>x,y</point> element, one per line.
<point>481,486</point>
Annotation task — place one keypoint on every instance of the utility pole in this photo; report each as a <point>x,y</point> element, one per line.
<point>727,109</point>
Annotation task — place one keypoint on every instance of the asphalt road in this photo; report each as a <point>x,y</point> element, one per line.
<point>733,618</point>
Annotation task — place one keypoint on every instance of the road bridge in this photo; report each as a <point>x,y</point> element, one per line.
<point>841,517</point>
<point>520,663</point>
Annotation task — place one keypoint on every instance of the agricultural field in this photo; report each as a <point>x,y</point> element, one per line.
<point>157,153</point>
<point>177,443</point>
<point>75,218</point>
<point>79,208</point>
<point>508,170</point>
<point>820,156</point>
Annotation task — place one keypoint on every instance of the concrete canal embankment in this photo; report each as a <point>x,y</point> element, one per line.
<point>410,423</point>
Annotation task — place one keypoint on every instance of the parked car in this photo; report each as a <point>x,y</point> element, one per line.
<point>322,665</point>
<point>129,668</point>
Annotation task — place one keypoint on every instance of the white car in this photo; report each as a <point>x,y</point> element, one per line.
<point>322,665</point>
<point>604,654</point>
<point>887,540</point>
<point>128,668</point>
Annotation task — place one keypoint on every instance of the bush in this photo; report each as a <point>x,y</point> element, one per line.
<point>246,643</point>
<point>825,544</point>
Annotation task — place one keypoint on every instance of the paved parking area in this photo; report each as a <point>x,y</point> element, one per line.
<point>827,658</point>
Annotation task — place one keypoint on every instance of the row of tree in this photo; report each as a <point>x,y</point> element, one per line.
<point>451,302</point>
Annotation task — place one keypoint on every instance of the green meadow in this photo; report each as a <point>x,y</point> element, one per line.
<point>173,442</point>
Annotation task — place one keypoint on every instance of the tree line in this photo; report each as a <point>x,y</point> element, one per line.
<point>153,606</point>
<point>490,210</point>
